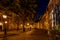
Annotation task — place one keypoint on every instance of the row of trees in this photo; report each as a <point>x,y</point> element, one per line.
<point>26,9</point>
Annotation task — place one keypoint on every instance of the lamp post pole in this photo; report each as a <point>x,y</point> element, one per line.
<point>5,24</point>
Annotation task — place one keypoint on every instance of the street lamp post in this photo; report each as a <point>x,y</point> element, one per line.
<point>5,22</point>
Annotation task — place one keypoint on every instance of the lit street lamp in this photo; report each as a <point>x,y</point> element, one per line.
<point>27,23</point>
<point>4,16</point>
<point>5,22</point>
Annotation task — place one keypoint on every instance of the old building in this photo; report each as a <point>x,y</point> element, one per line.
<point>47,20</point>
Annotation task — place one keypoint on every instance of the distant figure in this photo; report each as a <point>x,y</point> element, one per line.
<point>30,28</point>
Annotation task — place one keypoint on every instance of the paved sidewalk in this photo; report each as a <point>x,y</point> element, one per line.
<point>10,33</point>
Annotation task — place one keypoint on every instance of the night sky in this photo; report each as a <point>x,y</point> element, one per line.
<point>42,4</point>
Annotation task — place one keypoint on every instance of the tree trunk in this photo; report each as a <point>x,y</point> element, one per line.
<point>17,26</point>
<point>23,25</point>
